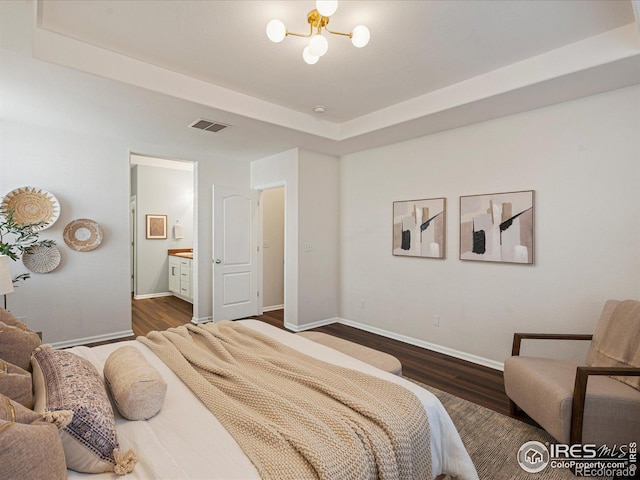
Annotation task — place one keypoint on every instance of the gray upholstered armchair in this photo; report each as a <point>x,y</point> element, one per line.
<point>595,402</point>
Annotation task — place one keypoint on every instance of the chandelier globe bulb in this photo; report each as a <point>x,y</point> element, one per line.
<point>326,7</point>
<point>318,45</point>
<point>360,36</point>
<point>310,59</point>
<point>276,31</point>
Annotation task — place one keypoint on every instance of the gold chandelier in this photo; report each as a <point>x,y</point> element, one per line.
<point>318,20</point>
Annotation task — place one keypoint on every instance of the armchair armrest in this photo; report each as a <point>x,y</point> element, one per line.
<point>580,391</point>
<point>518,337</point>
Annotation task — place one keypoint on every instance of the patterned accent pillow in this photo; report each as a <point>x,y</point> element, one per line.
<point>15,383</point>
<point>17,344</point>
<point>64,381</point>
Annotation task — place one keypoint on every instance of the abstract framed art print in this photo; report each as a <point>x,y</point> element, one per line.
<point>497,227</point>
<point>419,228</point>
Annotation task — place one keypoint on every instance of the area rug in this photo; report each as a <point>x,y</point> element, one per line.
<point>493,440</point>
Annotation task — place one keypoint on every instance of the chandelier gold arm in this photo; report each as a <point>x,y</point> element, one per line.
<point>301,34</point>
<point>350,35</point>
<point>317,21</point>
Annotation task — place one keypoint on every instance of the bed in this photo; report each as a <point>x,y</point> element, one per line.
<point>230,400</point>
<point>184,441</point>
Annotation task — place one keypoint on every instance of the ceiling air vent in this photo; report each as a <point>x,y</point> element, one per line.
<point>208,126</point>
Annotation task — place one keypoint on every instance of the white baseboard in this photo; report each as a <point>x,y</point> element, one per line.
<point>309,326</point>
<point>95,339</point>
<point>423,344</point>
<point>152,295</point>
<point>196,321</point>
<point>272,308</point>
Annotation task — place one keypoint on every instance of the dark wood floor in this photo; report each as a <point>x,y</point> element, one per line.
<point>467,380</point>
<point>159,314</point>
<point>478,384</point>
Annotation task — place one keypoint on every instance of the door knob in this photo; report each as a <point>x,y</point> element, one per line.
<point>218,260</point>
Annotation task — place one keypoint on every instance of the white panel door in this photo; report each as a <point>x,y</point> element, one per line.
<point>235,253</point>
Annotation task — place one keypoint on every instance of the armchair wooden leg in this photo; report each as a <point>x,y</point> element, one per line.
<point>513,408</point>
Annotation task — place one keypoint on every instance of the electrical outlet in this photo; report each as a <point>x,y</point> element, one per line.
<point>436,320</point>
<point>308,246</point>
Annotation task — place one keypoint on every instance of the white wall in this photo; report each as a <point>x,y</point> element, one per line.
<point>311,217</point>
<point>161,191</point>
<point>89,293</point>
<point>273,247</point>
<point>581,158</point>
<point>88,296</point>
<point>318,223</point>
<point>66,144</point>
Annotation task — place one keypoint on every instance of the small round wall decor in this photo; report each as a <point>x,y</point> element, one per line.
<point>32,205</point>
<point>83,235</point>
<point>41,259</point>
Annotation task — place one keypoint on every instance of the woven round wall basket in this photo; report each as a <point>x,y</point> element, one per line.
<point>41,259</point>
<point>32,205</point>
<point>83,235</point>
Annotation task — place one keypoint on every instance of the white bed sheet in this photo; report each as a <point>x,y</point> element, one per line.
<point>185,441</point>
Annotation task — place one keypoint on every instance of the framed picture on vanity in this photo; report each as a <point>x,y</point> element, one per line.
<point>156,227</point>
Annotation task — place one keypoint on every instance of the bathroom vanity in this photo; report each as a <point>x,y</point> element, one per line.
<point>180,273</point>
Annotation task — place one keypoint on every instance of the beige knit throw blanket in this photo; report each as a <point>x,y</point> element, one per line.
<point>617,345</point>
<point>296,417</point>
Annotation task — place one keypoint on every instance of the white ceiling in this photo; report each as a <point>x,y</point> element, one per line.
<point>430,65</point>
<point>416,47</point>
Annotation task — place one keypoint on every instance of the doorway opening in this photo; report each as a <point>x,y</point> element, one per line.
<point>273,248</point>
<point>162,231</point>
